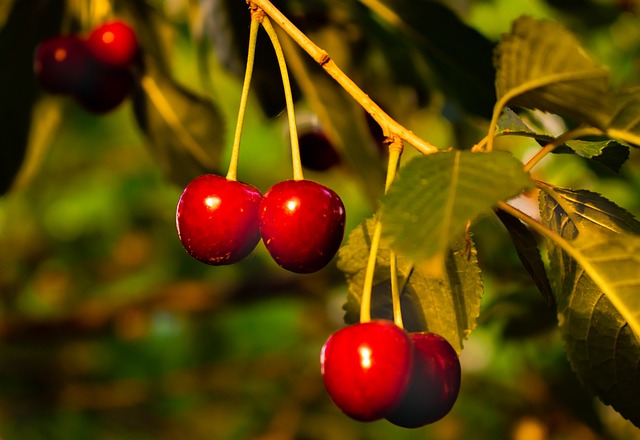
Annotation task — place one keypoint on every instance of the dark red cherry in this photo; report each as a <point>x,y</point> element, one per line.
<point>366,367</point>
<point>105,90</point>
<point>217,219</point>
<point>114,44</point>
<point>61,63</point>
<point>302,224</point>
<point>434,384</point>
<point>317,152</point>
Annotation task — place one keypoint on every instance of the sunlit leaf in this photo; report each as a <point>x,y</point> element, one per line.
<point>541,65</point>
<point>448,305</point>
<point>434,196</point>
<point>596,289</point>
<point>625,121</point>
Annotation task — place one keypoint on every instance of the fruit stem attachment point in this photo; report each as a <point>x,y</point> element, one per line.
<point>293,130</point>
<point>235,150</point>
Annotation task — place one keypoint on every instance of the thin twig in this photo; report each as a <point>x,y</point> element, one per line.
<point>389,125</point>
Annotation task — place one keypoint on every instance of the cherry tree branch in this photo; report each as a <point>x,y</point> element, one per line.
<point>387,123</point>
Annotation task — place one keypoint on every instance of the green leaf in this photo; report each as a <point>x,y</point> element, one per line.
<point>458,54</point>
<point>596,284</point>
<point>608,152</point>
<point>434,196</point>
<point>27,24</point>
<point>527,249</point>
<point>448,305</point>
<point>541,65</point>
<point>185,130</point>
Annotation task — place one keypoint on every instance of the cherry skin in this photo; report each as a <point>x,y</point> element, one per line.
<point>114,44</point>
<point>105,90</point>
<point>62,63</point>
<point>366,368</point>
<point>217,219</point>
<point>434,384</point>
<point>302,224</point>
<point>317,153</point>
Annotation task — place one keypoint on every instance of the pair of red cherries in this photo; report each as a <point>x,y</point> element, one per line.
<point>377,370</point>
<point>220,221</point>
<point>95,70</point>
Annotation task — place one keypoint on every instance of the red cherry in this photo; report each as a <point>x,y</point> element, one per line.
<point>62,63</point>
<point>302,224</point>
<point>317,153</point>
<point>217,219</point>
<point>366,368</point>
<point>114,44</point>
<point>105,90</point>
<point>434,383</point>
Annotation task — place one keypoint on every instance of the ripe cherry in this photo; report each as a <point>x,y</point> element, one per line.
<point>302,224</point>
<point>434,384</point>
<point>366,368</point>
<point>105,90</point>
<point>62,63</point>
<point>217,219</point>
<point>317,152</point>
<point>114,44</point>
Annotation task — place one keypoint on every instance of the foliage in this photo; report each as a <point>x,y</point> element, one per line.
<point>109,330</point>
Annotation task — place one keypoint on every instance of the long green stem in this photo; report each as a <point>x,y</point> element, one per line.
<point>293,130</point>
<point>235,150</point>
<point>365,302</point>
<point>395,151</point>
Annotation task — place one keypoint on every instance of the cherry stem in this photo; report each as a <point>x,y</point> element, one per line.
<point>293,130</point>
<point>365,303</point>
<point>320,56</point>
<point>567,136</point>
<point>395,151</point>
<point>232,173</point>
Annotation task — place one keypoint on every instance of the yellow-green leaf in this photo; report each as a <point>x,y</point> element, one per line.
<point>541,65</point>
<point>434,196</point>
<point>596,281</point>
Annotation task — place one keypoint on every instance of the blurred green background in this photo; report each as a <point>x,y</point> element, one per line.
<point>109,330</point>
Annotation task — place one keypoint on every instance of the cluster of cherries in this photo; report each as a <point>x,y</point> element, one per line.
<point>95,70</point>
<point>220,221</point>
<point>375,370</point>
